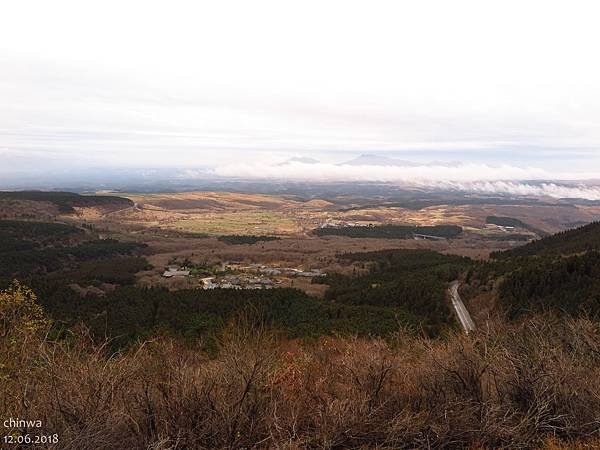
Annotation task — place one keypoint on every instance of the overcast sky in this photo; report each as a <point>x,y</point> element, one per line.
<point>235,84</point>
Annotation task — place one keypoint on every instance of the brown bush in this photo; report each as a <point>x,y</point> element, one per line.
<point>527,386</point>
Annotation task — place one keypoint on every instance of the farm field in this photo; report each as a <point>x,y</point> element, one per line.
<point>238,222</point>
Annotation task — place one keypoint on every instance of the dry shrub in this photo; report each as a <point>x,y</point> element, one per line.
<point>527,386</point>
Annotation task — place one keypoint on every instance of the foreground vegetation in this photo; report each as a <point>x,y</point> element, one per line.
<point>509,386</point>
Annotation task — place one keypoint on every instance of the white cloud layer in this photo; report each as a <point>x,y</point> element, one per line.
<point>482,178</point>
<point>526,189</point>
<point>414,173</point>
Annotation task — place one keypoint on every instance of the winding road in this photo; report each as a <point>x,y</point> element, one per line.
<point>459,307</point>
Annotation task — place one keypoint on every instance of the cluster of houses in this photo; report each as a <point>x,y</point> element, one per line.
<point>337,223</point>
<point>236,275</point>
<point>503,228</point>
<point>272,270</point>
<point>175,271</point>
<point>289,272</point>
<point>236,282</point>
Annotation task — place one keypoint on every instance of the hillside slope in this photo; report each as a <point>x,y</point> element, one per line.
<point>559,273</point>
<point>567,242</point>
<point>67,201</point>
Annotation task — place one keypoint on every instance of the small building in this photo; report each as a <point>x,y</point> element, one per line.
<point>271,272</point>
<point>207,283</point>
<point>234,280</point>
<point>175,272</point>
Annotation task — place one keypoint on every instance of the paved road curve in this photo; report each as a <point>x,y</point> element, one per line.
<point>461,311</point>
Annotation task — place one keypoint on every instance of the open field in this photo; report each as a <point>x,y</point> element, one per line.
<point>238,222</point>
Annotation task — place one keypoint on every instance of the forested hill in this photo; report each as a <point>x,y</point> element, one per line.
<point>512,222</point>
<point>412,282</point>
<point>567,242</point>
<point>559,273</point>
<point>569,285</point>
<point>391,231</point>
<point>66,201</point>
